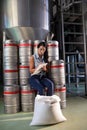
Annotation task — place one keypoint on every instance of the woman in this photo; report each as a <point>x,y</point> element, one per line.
<point>39,81</point>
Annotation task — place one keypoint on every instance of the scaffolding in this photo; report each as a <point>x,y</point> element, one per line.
<point>69,22</point>
<point>74,42</point>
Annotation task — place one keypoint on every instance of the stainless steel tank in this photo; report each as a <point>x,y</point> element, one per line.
<point>26,19</point>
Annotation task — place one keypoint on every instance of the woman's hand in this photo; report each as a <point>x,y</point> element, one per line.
<point>45,68</point>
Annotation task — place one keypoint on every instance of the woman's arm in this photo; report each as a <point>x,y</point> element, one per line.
<point>32,66</point>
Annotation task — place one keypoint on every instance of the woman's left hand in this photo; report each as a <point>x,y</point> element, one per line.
<point>45,68</point>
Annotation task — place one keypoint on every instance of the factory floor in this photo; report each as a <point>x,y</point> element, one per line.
<point>75,112</point>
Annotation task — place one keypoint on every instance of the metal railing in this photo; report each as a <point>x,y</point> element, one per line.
<point>68,3</point>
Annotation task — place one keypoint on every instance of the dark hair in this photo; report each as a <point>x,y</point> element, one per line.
<point>41,44</point>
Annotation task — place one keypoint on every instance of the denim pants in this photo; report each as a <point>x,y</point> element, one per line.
<point>40,83</point>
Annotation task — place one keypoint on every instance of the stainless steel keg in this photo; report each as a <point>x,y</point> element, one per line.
<point>24,71</point>
<point>61,92</point>
<point>10,48</point>
<point>10,71</point>
<point>53,50</point>
<point>57,72</point>
<point>27,98</point>
<point>25,48</point>
<point>11,99</point>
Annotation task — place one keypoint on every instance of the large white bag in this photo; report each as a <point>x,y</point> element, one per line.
<point>47,110</point>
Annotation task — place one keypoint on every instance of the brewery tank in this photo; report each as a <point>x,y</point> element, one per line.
<point>26,19</point>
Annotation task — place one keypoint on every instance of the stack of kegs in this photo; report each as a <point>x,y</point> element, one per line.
<point>10,68</point>
<point>57,73</point>
<point>10,62</point>
<point>27,98</point>
<point>25,51</point>
<point>57,70</point>
<point>11,58</point>
<point>27,95</point>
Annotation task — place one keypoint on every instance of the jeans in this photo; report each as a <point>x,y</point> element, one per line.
<point>40,83</point>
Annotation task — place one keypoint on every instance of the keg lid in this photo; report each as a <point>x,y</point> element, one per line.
<point>52,41</point>
<point>38,41</point>
<point>25,41</point>
<point>10,41</point>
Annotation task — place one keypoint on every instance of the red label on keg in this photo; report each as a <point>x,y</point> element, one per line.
<point>23,66</point>
<point>10,92</point>
<point>11,71</point>
<point>57,66</point>
<point>10,44</point>
<point>52,45</point>
<point>27,91</point>
<point>25,44</point>
<point>63,89</point>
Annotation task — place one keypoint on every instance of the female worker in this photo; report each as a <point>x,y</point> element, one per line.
<point>38,69</point>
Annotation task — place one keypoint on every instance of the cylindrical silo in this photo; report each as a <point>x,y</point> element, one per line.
<point>26,19</point>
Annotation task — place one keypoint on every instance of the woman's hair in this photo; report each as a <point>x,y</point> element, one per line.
<point>41,44</point>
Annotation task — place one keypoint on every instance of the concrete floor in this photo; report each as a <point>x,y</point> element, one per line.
<point>75,112</point>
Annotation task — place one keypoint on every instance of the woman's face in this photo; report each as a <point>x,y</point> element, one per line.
<point>41,50</point>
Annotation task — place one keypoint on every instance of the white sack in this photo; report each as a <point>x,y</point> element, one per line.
<point>47,110</point>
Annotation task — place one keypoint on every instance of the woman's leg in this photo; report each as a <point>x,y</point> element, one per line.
<point>49,84</point>
<point>35,84</point>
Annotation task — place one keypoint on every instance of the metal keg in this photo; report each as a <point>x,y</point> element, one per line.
<point>61,92</point>
<point>11,99</point>
<point>36,42</point>
<point>27,98</point>
<point>10,59</point>
<point>25,48</point>
<point>25,63</point>
<point>10,65</point>
<point>53,50</point>
<point>10,48</point>
<point>57,71</point>
<point>24,71</point>
<point>10,70</point>
<point>24,81</point>
<point>24,59</point>
<point>10,81</point>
